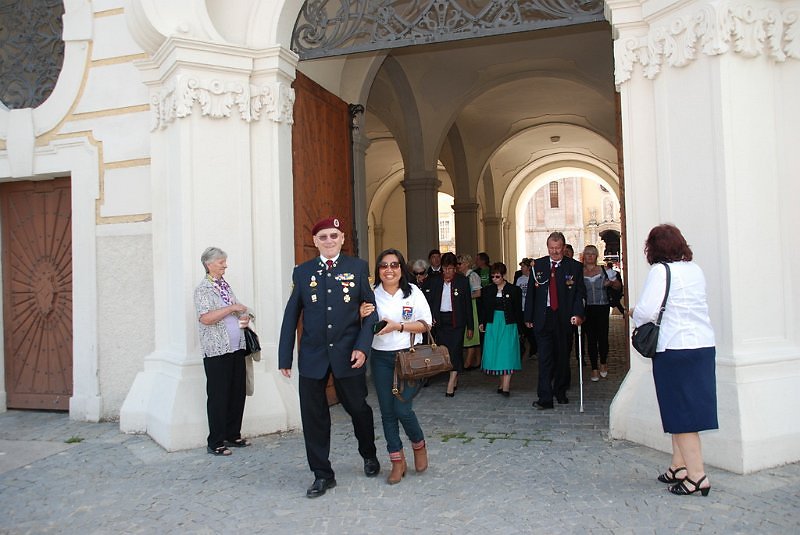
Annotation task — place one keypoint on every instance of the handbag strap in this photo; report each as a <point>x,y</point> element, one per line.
<point>666,294</point>
<point>430,335</point>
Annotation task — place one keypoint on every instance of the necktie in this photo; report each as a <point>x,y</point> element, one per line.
<point>553,290</point>
<point>329,264</point>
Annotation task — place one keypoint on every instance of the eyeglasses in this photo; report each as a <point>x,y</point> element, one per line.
<point>497,276</point>
<point>326,237</point>
<point>387,265</point>
<point>419,273</point>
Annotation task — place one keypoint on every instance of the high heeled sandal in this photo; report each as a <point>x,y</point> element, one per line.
<point>682,490</point>
<point>671,476</point>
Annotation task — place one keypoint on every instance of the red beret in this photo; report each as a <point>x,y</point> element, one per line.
<point>329,222</point>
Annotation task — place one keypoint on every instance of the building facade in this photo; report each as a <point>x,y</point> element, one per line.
<point>172,124</point>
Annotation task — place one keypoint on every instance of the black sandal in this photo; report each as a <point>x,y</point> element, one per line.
<point>221,450</point>
<point>682,490</point>
<point>671,476</point>
<point>238,443</point>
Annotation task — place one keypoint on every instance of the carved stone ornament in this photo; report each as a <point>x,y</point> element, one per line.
<point>748,29</point>
<point>332,27</point>
<point>218,99</point>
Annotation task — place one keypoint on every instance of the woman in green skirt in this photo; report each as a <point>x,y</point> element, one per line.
<point>501,319</point>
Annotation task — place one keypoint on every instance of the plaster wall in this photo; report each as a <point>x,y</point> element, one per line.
<point>125,309</point>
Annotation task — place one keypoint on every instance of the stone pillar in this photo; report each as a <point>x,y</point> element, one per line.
<point>710,130</point>
<point>466,215</point>
<point>493,232</point>
<point>360,145</point>
<point>213,183</point>
<point>377,238</point>
<point>422,212</point>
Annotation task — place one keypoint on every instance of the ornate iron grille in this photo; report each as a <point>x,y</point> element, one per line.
<point>31,51</point>
<point>334,27</point>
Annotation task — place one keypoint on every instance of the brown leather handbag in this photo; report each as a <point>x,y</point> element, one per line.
<point>419,362</point>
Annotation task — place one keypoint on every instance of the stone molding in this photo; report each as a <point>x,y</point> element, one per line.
<point>749,29</point>
<point>218,99</point>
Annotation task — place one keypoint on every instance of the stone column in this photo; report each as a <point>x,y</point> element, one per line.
<point>710,130</point>
<point>466,216</point>
<point>360,145</point>
<point>422,212</point>
<point>493,231</point>
<point>213,184</point>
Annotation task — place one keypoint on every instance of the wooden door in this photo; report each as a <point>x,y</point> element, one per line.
<point>322,164</point>
<point>37,293</point>
<point>323,169</point>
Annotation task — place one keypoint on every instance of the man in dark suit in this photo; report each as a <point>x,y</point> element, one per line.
<point>328,290</point>
<point>450,299</point>
<point>554,304</point>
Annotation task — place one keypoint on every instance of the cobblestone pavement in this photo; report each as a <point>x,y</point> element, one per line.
<point>497,465</point>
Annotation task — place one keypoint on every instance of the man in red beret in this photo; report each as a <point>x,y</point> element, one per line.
<point>328,290</point>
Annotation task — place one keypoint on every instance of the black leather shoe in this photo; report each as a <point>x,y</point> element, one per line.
<point>542,406</point>
<point>319,487</point>
<point>563,400</point>
<point>372,467</point>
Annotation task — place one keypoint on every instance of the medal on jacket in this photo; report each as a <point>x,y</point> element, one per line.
<point>346,298</point>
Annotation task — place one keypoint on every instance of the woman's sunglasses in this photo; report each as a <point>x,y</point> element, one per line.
<point>387,265</point>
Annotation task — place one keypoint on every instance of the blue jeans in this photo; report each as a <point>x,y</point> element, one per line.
<point>393,411</point>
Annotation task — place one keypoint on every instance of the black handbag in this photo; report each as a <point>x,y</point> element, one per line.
<point>645,336</point>
<point>251,342</point>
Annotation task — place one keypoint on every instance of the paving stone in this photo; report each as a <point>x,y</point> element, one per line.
<point>496,465</point>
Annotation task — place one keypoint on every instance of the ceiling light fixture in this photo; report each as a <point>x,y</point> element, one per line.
<point>555,139</point>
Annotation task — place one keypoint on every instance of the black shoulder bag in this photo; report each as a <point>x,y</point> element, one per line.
<point>645,337</point>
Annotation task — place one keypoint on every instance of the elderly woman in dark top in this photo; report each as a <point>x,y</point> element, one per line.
<point>221,318</point>
<point>683,366</point>
<point>420,271</point>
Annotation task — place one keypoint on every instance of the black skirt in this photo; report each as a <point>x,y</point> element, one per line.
<point>686,388</point>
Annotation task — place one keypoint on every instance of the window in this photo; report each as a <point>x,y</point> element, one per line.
<point>554,194</point>
<point>444,230</point>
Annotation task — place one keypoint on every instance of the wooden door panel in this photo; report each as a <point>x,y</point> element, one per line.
<point>37,293</point>
<point>322,168</point>
<point>321,164</point>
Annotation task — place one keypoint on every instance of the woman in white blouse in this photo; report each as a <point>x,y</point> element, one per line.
<point>683,367</point>
<point>400,305</point>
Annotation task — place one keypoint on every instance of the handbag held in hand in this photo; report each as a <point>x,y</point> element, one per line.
<point>251,343</point>
<point>420,361</point>
<point>645,336</point>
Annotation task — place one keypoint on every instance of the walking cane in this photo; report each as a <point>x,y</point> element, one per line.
<point>580,363</point>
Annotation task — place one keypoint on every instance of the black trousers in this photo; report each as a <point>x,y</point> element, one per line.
<point>225,388</point>
<point>596,327</point>
<point>316,418</point>
<point>554,340</point>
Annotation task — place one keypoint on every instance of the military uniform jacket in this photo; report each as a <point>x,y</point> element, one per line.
<point>569,285</point>
<point>332,327</point>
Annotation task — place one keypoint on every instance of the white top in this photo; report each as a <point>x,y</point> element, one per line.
<point>685,324</point>
<point>398,308</point>
<point>474,281</point>
<point>447,298</point>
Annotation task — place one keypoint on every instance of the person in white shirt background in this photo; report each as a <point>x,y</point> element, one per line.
<point>684,363</point>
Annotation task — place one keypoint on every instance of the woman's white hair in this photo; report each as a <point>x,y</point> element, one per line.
<point>211,254</point>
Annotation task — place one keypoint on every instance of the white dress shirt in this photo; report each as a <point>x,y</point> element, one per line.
<point>685,324</point>
<point>398,308</point>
